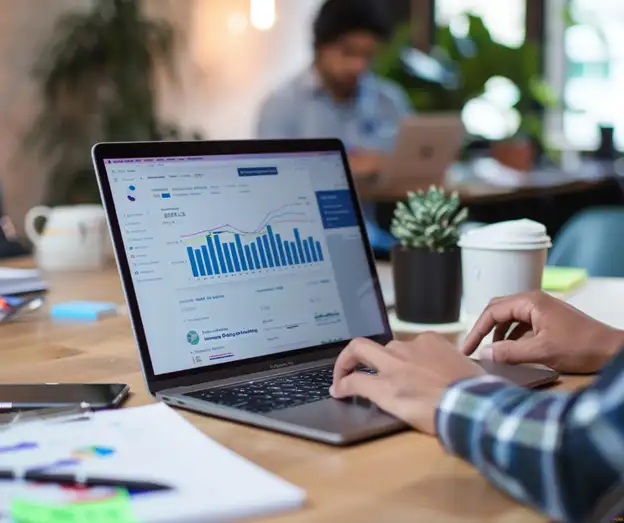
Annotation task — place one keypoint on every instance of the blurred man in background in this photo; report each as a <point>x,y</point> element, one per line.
<point>339,97</point>
<point>561,452</point>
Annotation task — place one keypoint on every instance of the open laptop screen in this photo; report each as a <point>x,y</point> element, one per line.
<point>243,256</point>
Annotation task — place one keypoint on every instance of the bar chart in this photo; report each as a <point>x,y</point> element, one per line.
<point>247,253</point>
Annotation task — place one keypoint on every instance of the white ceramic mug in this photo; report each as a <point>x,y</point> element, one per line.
<point>501,260</point>
<point>73,237</point>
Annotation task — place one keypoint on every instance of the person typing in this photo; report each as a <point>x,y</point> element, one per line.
<point>559,452</point>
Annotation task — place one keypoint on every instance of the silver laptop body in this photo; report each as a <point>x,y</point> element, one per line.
<point>247,269</point>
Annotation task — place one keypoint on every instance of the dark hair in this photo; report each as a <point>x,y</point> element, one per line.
<point>337,18</point>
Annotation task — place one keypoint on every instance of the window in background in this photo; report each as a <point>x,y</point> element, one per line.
<point>594,73</point>
<point>490,115</point>
<point>505,19</point>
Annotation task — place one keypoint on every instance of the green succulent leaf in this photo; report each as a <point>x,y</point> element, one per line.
<point>429,220</point>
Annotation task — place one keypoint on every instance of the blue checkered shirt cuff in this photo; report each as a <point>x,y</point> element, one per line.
<point>556,451</point>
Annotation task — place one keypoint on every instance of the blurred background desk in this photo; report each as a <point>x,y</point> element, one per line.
<point>549,195</point>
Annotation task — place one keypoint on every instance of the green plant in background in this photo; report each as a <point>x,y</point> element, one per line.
<point>96,79</point>
<point>472,61</point>
<point>429,220</point>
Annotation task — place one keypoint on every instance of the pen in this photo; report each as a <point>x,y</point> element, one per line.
<point>81,481</point>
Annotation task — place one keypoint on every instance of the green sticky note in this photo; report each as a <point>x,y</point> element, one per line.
<point>561,279</point>
<point>113,509</point>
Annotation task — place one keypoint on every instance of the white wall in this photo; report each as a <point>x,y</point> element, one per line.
<point>224,73</point>
<point>24,27</point>
<point>231,66</point>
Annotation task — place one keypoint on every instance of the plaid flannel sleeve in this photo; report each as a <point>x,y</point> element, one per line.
<point>558,452</point>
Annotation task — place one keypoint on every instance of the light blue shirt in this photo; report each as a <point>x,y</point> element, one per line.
<point>304,109</point>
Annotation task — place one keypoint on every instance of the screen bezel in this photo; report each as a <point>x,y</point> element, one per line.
<point>189,377</point>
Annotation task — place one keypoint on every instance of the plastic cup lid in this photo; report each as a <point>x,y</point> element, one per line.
<point>511,235</point>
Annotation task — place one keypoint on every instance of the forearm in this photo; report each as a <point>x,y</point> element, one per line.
<point>527,443</point>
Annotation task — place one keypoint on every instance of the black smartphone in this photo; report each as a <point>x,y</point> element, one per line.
<point>95,396</point>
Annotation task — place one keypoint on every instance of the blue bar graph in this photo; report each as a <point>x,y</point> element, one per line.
<point>262,255</point>
<point>237,266</point>
<point>250,262</point>
<point>280,248</point>
<point>255,256</point>
<point>312,249</point>
<point>241,252</point>
<point>200,263</point>
<point>244,252</point>
<point>295,253</point>
<point>207,263</point>
<point>267,251</point>
<point>273,245</point>
<point>319,251</point>
<point>288,255</point>
<point>299,244</point>
<point>191,255</point>
<point>213,255</point>
<point>224,269</point>
<point>228,258</point>
<point>306,250</point>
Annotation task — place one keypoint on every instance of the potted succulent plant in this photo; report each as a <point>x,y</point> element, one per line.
<point>426,263</point>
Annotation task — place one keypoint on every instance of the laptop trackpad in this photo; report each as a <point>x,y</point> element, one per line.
<point>524,375</point>
<point>337,416</point>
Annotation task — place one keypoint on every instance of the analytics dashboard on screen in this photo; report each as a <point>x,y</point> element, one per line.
<point>237,257</point>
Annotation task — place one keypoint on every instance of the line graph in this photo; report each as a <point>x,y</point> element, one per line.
<point>229,248</point>
<point>276,216</point>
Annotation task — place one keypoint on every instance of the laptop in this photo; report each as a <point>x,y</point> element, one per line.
<point>246,270</point>
<point>425,148</point>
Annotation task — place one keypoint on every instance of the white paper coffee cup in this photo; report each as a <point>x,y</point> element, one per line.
<point>501,260</point>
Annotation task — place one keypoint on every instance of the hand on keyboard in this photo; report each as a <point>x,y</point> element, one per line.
<point>277,393</point>
<point>271,394</point>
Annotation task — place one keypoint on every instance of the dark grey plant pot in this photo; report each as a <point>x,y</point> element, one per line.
<point>428,285</point>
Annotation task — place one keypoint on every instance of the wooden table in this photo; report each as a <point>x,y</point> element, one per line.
<point>403,478</point>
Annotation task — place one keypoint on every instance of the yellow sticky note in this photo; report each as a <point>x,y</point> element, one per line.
<point>560,279</point>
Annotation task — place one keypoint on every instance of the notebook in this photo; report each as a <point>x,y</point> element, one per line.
<point>20,281</point>
<point>153,444</point>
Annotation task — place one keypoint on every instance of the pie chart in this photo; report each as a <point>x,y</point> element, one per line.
<point>93,452</point>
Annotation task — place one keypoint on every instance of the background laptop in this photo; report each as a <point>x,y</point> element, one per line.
<point>425,148</point>
<point>247,269</point>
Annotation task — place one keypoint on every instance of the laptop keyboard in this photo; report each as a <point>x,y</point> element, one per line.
<point>290,390</point>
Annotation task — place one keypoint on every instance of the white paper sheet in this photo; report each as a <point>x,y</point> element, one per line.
<point>155,444</point>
